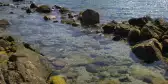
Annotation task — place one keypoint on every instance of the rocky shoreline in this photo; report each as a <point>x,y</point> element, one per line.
<point>135,30</point>
<point>147,38</point>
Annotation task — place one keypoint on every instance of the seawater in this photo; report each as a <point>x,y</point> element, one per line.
<point>117,9</point>
<point>74,45</point>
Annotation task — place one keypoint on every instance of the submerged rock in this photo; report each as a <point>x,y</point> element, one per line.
<point>4,23</point>
<point>90,17</point>
<point>70,22</point>
<point>49,17</point>
<point>117,38</point>
<point>91,68</point>
<point>147,75</point>
<point>43,9</point>
<point>148,51</point>
<point>28,10</point>
<point>59,64</point>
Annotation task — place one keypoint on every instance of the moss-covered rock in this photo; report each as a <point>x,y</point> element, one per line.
<point>4,43</point>
<point>28,46</point>
<point>63,10</point>
<point>165,46</point>
<point>123,29</point>
<point>117,29</point>
<point>134,36</point>
<point>148,51</point>
<point>43,9</point>
<point>10,38</point>
<point>70,22</point>
<point>161,23</point>
<point>151,31</point>
<point>139,21</point>
<point>3,56</point>
<point>109,28</point>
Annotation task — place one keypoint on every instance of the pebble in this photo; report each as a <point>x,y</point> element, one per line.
<point>91,68</point>
<point>59,64</point>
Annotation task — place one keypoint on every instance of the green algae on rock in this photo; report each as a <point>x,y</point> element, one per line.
<point>43,9</point>
<point>134,36</point>
<point>148,51</point>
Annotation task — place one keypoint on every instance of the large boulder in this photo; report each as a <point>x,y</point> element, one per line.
<point>134,36</point>
<point>139,21</point>
<point>90,17</point>
<point>43,9</point>
<point>148,51</point>
<point>151,31</point>
<point>123,29</point>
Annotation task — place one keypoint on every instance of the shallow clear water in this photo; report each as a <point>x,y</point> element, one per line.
<point>75,47</point>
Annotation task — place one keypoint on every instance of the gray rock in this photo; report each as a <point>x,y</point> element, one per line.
<point>91,68</point>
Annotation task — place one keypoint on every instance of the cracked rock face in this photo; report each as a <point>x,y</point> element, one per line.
<point>21,66</point>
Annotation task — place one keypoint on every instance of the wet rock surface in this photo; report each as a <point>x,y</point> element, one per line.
<point>149,51</point>
<point>21,65</point>
<point>43,9</point>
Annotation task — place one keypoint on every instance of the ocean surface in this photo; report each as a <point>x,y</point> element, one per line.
<point>117,9</point>
<point>75,45</point>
